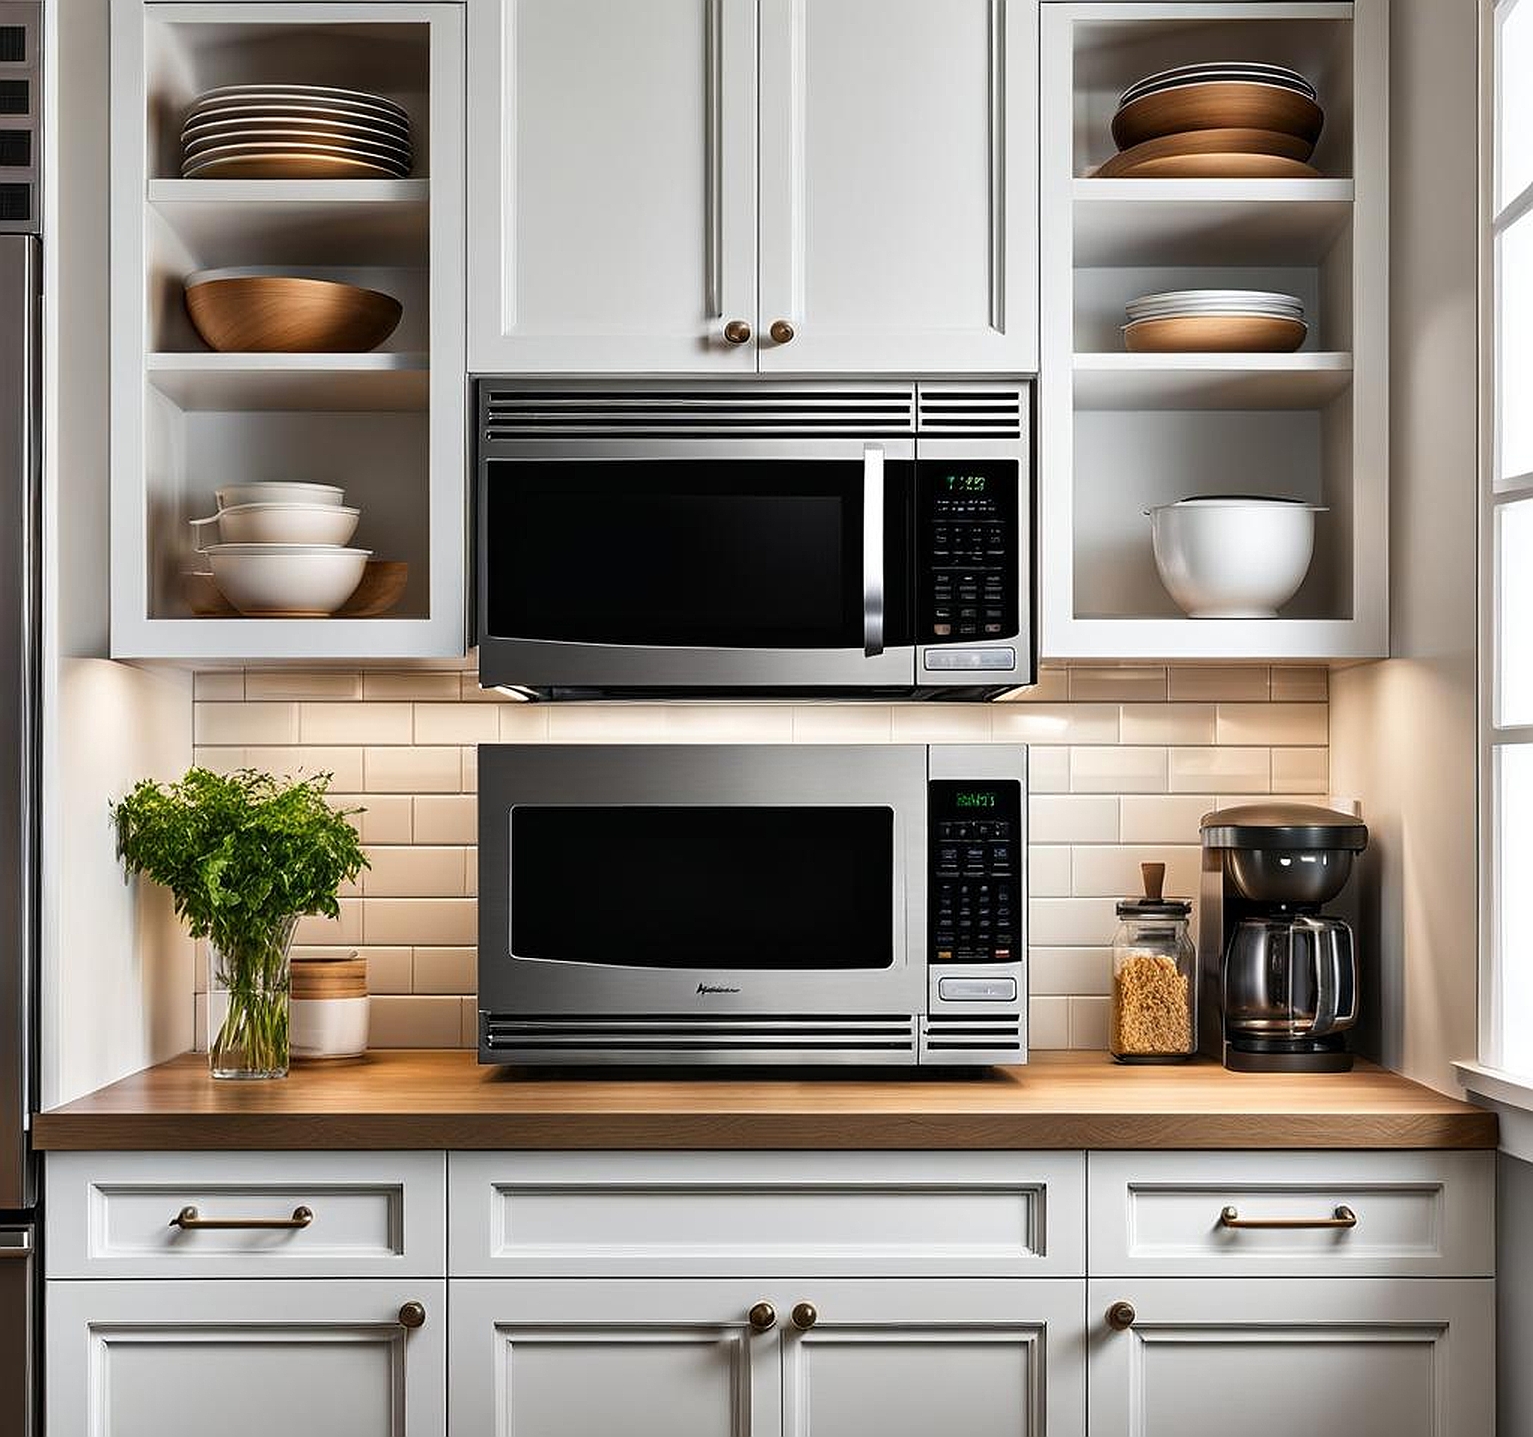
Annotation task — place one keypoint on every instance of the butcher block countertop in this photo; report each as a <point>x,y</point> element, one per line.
<point>444,1099</point>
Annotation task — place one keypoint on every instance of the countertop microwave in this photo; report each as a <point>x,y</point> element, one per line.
<point>795,538</point>
<point>753,904</point>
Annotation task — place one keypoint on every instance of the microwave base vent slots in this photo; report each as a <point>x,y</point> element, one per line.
<point>993,1038</point>
<point>679,1037</point>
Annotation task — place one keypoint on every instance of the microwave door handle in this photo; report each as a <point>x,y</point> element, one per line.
<point>872,549</point>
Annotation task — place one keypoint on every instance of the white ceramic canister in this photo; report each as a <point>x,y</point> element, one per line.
<point>328,1008</point>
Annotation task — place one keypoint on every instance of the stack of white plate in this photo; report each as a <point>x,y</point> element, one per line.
<point>1250,72</point>
<point>281,549</point>
<point>295,132</point>
<point>1214,321</point>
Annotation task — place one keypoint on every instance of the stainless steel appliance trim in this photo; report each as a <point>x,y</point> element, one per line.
<point>15,1242</point>
<point>872,550</point>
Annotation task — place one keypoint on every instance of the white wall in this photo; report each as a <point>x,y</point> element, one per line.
<point>1403,733</point>
<point>115,973</point>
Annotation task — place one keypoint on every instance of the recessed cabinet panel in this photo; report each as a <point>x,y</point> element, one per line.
<point>1272,1357</point>
<point>898,184</point>
<point>613,184</point>
<point>185,1359</point>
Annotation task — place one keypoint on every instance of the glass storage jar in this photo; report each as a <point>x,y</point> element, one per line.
<point>1154,978</point>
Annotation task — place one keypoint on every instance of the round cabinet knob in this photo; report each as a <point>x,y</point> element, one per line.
<point>737,331</point>
<point>762,1317</point>
<point>1120,1316</point>
<point>805,1316</point>
<point>781,331</point>
<point>412,1315</point>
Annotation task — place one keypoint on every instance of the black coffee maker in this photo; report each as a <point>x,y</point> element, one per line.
<point>1279,978</point>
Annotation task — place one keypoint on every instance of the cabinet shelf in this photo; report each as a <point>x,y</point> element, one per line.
<point>307,222</point>
<point>323,382</point>
<point>1210,381</point>
<point>1206,222</point>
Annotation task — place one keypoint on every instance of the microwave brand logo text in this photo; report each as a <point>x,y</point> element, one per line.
<point>715,988</point>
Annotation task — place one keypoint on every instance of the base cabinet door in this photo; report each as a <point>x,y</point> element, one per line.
<point>246,1358</point>
<point>1269,1357</point>
<point>979,1358</point>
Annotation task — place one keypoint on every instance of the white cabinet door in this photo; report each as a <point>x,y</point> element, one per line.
<point>899,204</point>
<point>646,1359</point>
<point>1269,1357</point>
<point>913,1359</point>
<point>612,193</point>
<point>245,1359</point>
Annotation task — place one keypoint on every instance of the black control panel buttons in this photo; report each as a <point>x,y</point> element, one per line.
<point>976,870</point>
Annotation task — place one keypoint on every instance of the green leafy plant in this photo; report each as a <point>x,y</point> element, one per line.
<point>243,855</point>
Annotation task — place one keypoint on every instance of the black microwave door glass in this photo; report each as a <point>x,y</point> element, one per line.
<point>738,553</point>
<point>791,889</point>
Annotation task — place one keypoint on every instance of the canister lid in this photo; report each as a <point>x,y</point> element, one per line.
<point>1153,908</point>
<point>1283,825</point>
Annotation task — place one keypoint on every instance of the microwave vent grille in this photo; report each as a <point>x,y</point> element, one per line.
<point>797,412</point>
<point>576,1038</point>
<point>999,1034</point>
<point>989,410</point>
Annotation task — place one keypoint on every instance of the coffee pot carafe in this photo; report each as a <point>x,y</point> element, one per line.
<point>1281,975</point>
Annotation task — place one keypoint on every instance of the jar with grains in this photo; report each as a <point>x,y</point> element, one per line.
<point>1154,980</point>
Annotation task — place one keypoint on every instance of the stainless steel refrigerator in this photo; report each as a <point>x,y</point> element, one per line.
<point>20,577</point>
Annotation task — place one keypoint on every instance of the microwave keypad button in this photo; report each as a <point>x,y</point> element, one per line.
<point>974,859</point>
<point>960,990</point>
<point>942,659</point>
<point>941,631</point>
<point>1000,858</point>
<point>947,858</point>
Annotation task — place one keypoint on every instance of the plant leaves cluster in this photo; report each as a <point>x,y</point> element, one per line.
<point>240,852</point>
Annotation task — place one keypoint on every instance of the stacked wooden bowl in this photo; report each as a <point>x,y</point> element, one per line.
<point>1236,119</point>
<point>1214,321</point>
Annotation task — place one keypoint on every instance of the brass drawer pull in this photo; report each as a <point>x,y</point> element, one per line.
<point>762,1317</point>
<point>188,1220</point>
<point>1343,1217</point>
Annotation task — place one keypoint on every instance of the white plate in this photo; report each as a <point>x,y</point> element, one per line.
<point>319,114</point>
<point>206,159</point>
<point>1124,103</point>
<point>1230,307</point>
<point>289,139</point>
<point>316,91</point>
<point>1234,70</point>
<point>278,491</point>
<point>1205,296</point>
<point>275,120</point>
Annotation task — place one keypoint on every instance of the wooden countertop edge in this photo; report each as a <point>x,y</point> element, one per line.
<point>102,1132</point>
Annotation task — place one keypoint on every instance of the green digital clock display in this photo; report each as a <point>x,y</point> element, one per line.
<point>977,799</point>
<point>967,483</point>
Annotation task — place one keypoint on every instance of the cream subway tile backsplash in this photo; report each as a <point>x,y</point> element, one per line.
<point>1124,762</point>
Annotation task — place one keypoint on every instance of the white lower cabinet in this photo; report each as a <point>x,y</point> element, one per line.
<point>1271,1357</point>
<point>840,1358</point>
<point>246,1358</point>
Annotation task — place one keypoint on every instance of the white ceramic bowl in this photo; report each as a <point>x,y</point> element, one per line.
<point>1233,558</point>
<point>233,495</point>
<point>286,580</point>
<point>283,524</point>
<point>328,1027</point>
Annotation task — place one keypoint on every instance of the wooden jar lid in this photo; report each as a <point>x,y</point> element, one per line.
<point>329,978</point>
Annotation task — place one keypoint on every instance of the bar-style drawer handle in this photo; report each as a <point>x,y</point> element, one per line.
<point>1342,1217</point>
<point>189,1220</point>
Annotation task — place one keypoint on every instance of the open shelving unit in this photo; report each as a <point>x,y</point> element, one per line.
<point>1121,432</point>
<point>389,426</point>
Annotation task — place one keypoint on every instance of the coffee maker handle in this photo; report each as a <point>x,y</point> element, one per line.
<point>1328,976</point>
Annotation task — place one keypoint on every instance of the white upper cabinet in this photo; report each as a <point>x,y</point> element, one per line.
<point>899,197</point>
<point>626,161</point>
<point>612,198</point>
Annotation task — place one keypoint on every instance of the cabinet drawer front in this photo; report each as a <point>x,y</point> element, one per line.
<point>763,1214</point>
<point>1423,1214</point>
<point>369,1214</point>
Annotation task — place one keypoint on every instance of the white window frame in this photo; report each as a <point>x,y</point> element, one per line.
<point>1490,1077</point>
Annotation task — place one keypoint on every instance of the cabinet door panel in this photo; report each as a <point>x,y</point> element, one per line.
<point>612,209</point>
<point>899,184</point>
<point>909,1359</point>
<point>186,1359</point>
<point>1361,1357</point>
<point>648,1359</point>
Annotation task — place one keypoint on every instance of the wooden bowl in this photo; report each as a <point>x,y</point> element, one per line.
<point>1217,105</point>
<point>383,585</point>
<point>1215,334</point>
<point>204,598</point>
<point>1208,142</point>
<point>1213,167</point>
<point>279,314</point>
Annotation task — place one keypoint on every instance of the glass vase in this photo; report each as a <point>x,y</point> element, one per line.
<point>248,1006</point>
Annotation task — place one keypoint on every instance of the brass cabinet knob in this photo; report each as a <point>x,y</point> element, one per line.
<point>737,331</point>
<point>1120,1316</point>
<point>781,331</point>
<point>805,1316</point>
<point>412,1315</point>
<point>762,1317</point>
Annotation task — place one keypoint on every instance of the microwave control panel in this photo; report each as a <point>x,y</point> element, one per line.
<point>969,527</point>
<point>976,837</point>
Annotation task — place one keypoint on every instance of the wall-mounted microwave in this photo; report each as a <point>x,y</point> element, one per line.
<point>753,904</point>
<point>858,539</point>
